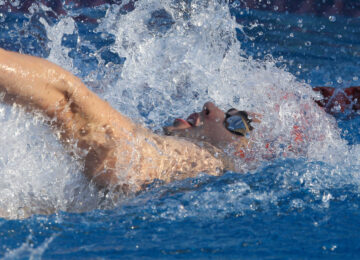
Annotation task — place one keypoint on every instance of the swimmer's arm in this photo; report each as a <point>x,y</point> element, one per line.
<point>39,84</point>
<point>80,115</point>
<point>339,100</point>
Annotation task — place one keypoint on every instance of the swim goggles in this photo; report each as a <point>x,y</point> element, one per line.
<point>237,122</point>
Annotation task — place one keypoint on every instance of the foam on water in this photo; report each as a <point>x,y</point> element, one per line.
<point>173,67</point>
<point>37,175</point>
<point>179,54</point>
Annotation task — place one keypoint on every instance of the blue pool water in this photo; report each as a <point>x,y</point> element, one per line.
<point>160,60</point>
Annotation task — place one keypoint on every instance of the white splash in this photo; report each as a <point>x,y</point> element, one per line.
<point>26,250</point>
<point>58,53</point>
<point>171,69</point>
<point>37,174</point>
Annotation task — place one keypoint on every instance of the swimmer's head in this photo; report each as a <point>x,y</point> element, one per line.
<point>212,125</point>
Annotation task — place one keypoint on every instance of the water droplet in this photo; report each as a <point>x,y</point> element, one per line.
<point>339,80</point>
<point>308,43</point>
<point>276,8</point>
<point>355,78</point>
<point>332,18</point>
<point>15,3</point>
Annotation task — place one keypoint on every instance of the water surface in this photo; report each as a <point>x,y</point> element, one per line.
<point>161,60</point>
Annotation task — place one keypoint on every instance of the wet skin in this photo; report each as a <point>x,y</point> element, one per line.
<point>206,126</point>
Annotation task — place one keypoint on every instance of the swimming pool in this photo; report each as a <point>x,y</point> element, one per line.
<point>161,60</point>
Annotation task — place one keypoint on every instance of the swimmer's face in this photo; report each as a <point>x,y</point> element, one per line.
<point>207,126</point>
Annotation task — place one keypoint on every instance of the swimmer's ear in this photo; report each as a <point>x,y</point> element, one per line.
<point>255,117</point>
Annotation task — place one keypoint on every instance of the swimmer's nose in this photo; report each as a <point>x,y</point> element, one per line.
<point>209,106</point>
<point>211,111</point>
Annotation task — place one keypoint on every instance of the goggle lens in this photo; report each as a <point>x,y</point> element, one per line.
<point>237,122</point>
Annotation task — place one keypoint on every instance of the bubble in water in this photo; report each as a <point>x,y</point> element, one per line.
<point>15,3</point>
<point>300,23</point>
<point>332,18</point>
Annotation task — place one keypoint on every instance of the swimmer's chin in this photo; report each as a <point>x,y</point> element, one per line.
<point>188,134</point>
<point>168,131</point>
<point>171,131</point>
<point>176,131</point>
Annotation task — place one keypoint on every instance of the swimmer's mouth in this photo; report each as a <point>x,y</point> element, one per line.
<point>180,124</point>
<point>193,120</point>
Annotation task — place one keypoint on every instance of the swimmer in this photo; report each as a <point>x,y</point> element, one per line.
<point>117,153</point>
